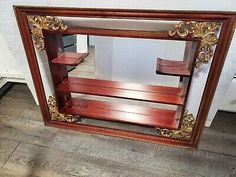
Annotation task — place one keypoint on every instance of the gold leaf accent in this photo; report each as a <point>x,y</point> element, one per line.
<point>55,115</point>
<point>185,132</point>
<point>38,23</point>
<point>207,31</point>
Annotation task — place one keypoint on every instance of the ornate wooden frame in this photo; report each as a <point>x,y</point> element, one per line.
<point>192,21</point>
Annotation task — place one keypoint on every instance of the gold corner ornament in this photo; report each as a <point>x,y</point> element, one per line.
<point>55,115</point>
<point>207,31</point>
<point>38,23</point>
<point>185,132</point>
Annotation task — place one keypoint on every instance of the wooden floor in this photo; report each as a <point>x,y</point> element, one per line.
<point>30,149</point>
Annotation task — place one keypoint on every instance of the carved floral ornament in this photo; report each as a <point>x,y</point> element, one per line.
<point>38,23</point>
<point>207,31</point>
<point>185,131</point>
<point>55,115</point>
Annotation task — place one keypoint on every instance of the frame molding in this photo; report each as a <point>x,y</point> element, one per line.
<point>227,19</point>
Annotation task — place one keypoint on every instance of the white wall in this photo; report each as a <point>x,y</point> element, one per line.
<point>10,33</point>
<point>135,60</point>
<point>8,62</point>
<point>104,55</point>
<point>229,103</point>
<point>224,84</point>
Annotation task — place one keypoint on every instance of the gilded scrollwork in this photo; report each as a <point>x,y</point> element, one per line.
<point>55,115</point>
<point>206,31</point>
<point>38,23</point>
<point>185,131</point>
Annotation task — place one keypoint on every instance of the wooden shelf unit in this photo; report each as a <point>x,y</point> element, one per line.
<point>220,43</point>
<point>137,115</point>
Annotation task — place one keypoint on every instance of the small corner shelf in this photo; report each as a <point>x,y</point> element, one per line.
<point>174,68</point>
<point>69,58</point>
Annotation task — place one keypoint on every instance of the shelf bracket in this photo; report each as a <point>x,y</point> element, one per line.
<point>206,31</point>
<point>55,115</point>
<point>38,23</point>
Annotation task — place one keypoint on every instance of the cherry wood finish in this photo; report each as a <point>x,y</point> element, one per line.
<point>69,58</point>
<point>176,68</point>
<point>126,85</point>
<point>119,133</point>
<point>220,54</point>
<point>226,18</point>
<point>119,90</point>
<point>54,45</point>
<point>122,33</point>
<point>139,115</point>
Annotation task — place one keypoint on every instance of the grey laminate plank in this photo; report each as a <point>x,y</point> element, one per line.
<point>21,119</point>
<point>198,162</point>
<point>145,155</point>
<point>7,146</point>
<point>82,74</point>
<point>20,91</point>
<point>42,161</point>
<point>25,129</point>
<point>101,146</point>
<point>221,136</point>
<point>12,107</point>
<point>218,142</point>
<point>10,173</point>
<point>86,67</point>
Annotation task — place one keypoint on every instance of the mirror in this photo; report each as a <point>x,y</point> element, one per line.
<point>120,74</point>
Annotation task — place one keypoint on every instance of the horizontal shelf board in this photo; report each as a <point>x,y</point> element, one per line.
<point>168,67</point>
<point>160,94</point>
<point>122,33</point>
<point>69,58</point>
<point>126,85</point>
<point>133,114</point>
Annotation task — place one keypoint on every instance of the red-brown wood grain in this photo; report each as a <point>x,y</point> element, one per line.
<point>122,33</point>
<point>54,44</point>
<point>176,68</point>
<point>69,58</point>
<point>140,115</point>
<point>126,85</point>
<point>120,133</point>
<point>103,89</point>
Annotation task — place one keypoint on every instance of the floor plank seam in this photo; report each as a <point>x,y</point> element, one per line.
<point>10,154</point>
<point>229,155</point>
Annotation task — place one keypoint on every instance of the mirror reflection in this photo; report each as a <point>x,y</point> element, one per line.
<point>134,73</point>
